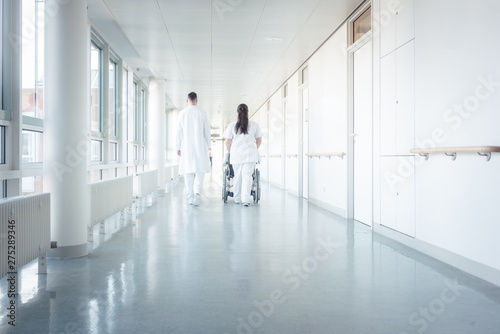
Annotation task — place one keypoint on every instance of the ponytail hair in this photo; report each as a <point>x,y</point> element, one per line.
<point>242,123</point>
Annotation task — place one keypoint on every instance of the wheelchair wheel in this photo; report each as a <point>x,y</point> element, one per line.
<point>257,178</point>
<point>256,186</point>
<point>225,185</point>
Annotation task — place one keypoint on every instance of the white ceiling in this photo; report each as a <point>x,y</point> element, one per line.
<point>218,48</point>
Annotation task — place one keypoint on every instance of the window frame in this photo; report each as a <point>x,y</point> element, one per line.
<point>350,24</point>
<point>115,136</point>
<point>98,43</point>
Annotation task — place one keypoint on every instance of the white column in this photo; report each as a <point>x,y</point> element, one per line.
<point>66,124</point>
<point>156,130</point>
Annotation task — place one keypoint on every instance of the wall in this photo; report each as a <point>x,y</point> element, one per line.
<point>436,83</point>
<point>328,123</point>
<point>291,134</point>
<point>462,104</point>
<point>276,140</point>
<point>456,100</point>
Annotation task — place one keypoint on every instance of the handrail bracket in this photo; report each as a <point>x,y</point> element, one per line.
<point>487,155</point>
<point>451,154</point>
<point>426,155</point>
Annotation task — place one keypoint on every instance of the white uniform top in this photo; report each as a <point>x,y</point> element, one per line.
<point>193,140</point>
<point>243,146</point>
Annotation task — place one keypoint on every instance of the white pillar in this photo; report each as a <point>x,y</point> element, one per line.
<point>156,130</point>
<point>66,124</point>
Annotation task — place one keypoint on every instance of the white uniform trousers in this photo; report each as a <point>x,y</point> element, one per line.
<point>194,183</point>
<point>243,181</point>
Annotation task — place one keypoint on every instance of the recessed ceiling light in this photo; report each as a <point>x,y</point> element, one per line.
<point>273,39</point>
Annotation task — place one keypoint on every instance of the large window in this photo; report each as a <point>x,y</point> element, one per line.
<point>32,58</point>
<point>32,185</point>
<point>125,111</point>
<point>95,150</point>
<point>95,88</point>
<point>32,147</point>
<point>143,115</point>
<point>113,99</point>
<point>136,111</point>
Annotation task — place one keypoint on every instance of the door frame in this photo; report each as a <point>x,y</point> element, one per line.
<point>350,120</point>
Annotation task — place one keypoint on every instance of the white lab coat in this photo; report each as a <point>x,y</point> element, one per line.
<point>243,146</point>
<point>193,140</point>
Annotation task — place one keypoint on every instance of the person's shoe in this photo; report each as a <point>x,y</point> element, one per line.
<point>197,200</point>
<point>190,200</point>
<point>246,204</point>
<point>237,202</point>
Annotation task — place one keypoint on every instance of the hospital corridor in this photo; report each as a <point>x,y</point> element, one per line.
<point>249,166</point>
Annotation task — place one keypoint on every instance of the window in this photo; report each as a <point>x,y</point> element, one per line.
<point>143,115</point>
<point>285,91</point>
<point>125,101</point>
<point>113,103</point>
<point>96,150</point>
<point>361,25</point>
<point>32,147</point>
<point>113,151</point>
<point>32,185</point>
<point>96,175</point>
<point>2,145</point>
<point>95,88</point>
<point>32,58</point>
<point>136,112</point>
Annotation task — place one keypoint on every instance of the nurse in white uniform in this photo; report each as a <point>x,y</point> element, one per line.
<point>193,143</point>
<point>243,138</point>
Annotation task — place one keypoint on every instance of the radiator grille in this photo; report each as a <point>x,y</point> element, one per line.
<point>32,229</point>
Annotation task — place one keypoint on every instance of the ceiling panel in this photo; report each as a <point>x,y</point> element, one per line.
<point>132,5</point>
<point>221,51</point>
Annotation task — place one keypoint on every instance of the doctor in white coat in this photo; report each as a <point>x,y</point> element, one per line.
<point>243,138</point>
<point>193,143</point>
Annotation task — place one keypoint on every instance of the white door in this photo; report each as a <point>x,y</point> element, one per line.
<point>362,152</point>
<point>305,142</point>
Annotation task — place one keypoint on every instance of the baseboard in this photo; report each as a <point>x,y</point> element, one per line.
<point>471,267</point>
<point>332,208</point>
<point>66,252</point>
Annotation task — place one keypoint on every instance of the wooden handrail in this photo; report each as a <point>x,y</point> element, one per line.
<point>274,155</point>
<point>452,151</point>
<point>327,154</point>
<point>292,155</point>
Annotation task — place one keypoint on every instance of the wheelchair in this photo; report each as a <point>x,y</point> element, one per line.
<point>228,175</point>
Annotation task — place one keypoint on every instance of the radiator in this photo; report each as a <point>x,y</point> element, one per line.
<point>28,220</point>
<point>107,198</point>
<point>147,182</point>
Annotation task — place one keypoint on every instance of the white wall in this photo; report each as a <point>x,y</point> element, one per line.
<point>292,135</point>
<point>445,77</point>
<point>262,118</point>
<point>456,101</point>
<point>328,123</point>
<point>276,126</point>
<point>458,213</point>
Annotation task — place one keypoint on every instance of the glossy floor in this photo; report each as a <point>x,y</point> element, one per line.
<point>282,266</point>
